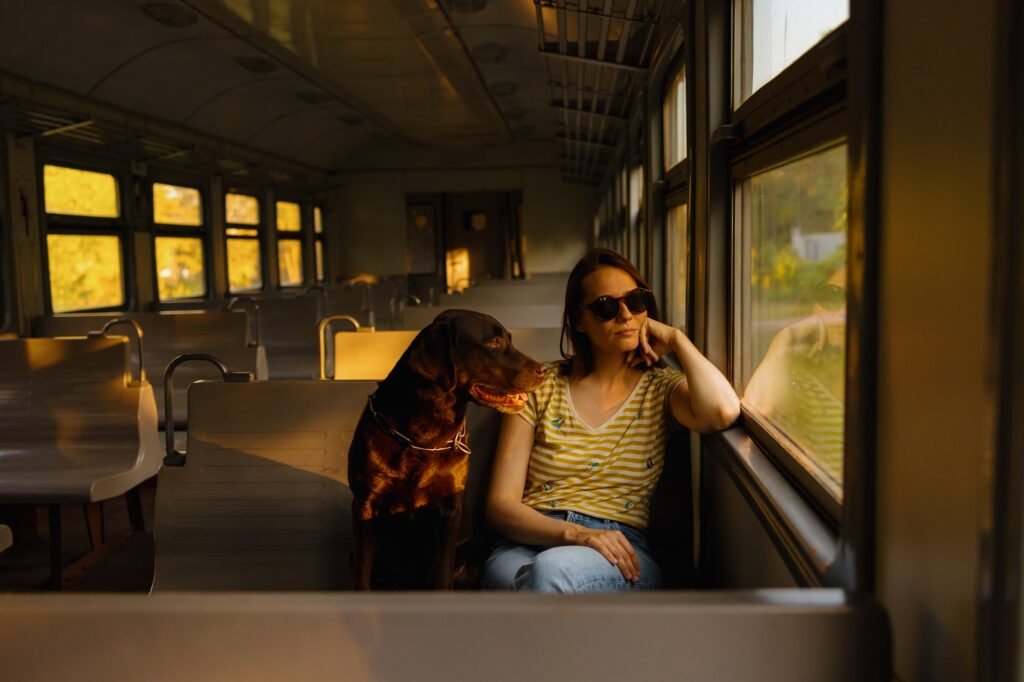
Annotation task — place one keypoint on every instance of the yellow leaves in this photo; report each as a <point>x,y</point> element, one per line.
<point>85,272</point>
<point>174,205</point>
<point>69,191</point>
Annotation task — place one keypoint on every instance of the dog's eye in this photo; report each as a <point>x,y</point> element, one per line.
<point>494,342</point>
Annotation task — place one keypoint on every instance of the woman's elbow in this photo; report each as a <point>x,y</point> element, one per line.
<point>724,417</point>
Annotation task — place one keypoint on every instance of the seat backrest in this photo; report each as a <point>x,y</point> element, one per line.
<point>262,500</point>
<point>72,426</point>
<point>168,334</point>
<point>290,322</point>
<point>371,356</point>
<point>519,316</point>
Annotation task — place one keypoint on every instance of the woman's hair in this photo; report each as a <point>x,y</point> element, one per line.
<point>580,362</point>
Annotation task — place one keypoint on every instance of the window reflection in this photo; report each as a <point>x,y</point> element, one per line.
<point>794,305</point>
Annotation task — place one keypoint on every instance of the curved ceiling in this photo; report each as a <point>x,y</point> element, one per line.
<point>314,81</point>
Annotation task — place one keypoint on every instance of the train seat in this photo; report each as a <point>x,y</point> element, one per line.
<point>372,355</point>
<point>288,327</point>
<point>74,427</point>
<point>509,314</point>
<point>261,500</point>
<point>169,334</point>
<point>501,292</point>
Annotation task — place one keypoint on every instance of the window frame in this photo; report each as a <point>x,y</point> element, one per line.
<point>86,226</point>
<point>261,237</point>
<point>305,226</point>
<point>676,181</point>
<point>201,231</point>
<point>821,548</point>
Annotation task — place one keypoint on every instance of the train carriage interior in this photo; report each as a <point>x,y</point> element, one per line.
<point>222,223</point>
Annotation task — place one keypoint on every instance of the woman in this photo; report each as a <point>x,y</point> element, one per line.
<point>573,473</point>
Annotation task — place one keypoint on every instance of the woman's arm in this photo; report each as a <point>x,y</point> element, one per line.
<point>507,514</point>
<point>704,401</point>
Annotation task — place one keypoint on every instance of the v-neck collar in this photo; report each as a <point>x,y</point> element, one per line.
<point>614,415</point>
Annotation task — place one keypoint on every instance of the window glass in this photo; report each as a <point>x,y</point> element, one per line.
<point>793,300</point>
<point>679,261</point>
<point>85,271</point>
<point>636,192</point>
<point>318,220</point>
<point>673,120</point>
<point>774,33</point>
<point>289,217</point>
<point>244,270</point>
<point>180,271</point>
<point>318,246</point>
<point>289,262</point>
<point>241,209</point>
<point>70,191</point>
<point>174,205</point>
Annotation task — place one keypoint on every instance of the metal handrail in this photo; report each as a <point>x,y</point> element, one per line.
<point>256,314</point>
<point>321,329</point>
<point>397,307</point>
<point>134,324</point>
<point>176,458</point>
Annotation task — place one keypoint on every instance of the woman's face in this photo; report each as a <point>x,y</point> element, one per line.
<point>621,334</point>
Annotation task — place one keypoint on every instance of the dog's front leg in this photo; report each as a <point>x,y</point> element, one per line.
<point>364,549</point>
<point>447,538</point>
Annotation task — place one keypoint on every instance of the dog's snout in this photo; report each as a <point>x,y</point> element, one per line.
<point>541,370</point>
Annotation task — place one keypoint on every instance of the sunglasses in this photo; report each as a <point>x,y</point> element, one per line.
<point>830,296</point>
<point>605,308</point>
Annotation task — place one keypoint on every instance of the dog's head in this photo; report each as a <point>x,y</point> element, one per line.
<point>472,353</point>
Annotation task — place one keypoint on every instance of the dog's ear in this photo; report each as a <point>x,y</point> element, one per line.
<point>432,352</point>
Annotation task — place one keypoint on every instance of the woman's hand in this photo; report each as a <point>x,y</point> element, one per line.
<point>655,340</point>
<point>612,545</point>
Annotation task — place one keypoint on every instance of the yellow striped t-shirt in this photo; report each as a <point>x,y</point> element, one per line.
<point>609,471</point>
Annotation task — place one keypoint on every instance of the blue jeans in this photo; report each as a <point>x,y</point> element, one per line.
<point>568,568</point>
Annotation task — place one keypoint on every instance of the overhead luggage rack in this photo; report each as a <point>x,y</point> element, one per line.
<point>597,53</point>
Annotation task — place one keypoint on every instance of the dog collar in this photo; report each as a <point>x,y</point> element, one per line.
<point>456,443</point>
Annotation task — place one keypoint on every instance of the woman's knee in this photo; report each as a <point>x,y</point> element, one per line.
<point>568,569</point>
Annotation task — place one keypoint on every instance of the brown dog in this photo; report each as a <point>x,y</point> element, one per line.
<point>409,458</point>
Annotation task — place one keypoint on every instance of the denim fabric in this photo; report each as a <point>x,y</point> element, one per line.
<point>568,568</point>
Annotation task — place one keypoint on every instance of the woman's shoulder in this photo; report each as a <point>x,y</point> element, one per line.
<point>665,375</point>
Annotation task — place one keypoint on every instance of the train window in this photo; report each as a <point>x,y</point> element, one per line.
<point>76,192</point>
<point>244,246</point>
<point>792,223</point>
<point>318,244</point>
<point>678,265</point>
<point>84,239</point>
<point>176,205</point>
<point>85,272</point>
<point>289,217</point>
<point>772,34</point>
<point>673,120</point>
<point>289,244</point>
<point>177,248</point>
<point>179,267</point>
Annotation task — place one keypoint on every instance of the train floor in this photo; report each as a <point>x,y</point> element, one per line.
<point>128,567</point>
